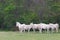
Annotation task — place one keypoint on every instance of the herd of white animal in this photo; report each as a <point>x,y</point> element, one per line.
<point>40,26</point>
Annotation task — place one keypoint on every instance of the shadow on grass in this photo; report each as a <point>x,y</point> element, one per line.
<point>31,32</point>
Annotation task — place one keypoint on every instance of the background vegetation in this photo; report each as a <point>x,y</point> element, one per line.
<point>27,11</point>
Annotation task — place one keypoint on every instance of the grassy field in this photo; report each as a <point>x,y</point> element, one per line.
<point>29,36</point>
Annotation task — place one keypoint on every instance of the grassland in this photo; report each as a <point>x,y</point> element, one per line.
<point>29,36</point>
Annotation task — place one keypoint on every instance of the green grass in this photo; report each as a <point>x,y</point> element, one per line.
<point>29,36</point>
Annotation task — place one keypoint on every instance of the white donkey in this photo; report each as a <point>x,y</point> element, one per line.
<point>39,26</point>
<point>34,27</point>
<point>28,27</point>
<point>54,26</point>
<point>48,26</point>
<point>42,26</point>
<point>20,26</point>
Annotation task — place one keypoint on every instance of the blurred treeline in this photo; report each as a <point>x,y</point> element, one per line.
<point>27,11</point>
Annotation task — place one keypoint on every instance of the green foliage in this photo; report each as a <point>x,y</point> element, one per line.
<point>9,7</point>
<point>17,10</point>
<point>28,18</point>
